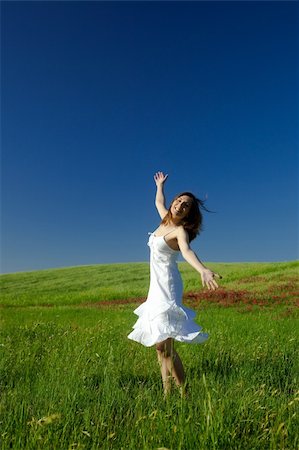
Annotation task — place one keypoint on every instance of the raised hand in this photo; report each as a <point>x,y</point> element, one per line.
<point>160,178</point>
<point>208,279</point>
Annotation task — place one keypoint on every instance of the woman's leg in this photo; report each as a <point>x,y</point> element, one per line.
<point>178,372</point>
<point>166,376</point>
<point>170,364</point>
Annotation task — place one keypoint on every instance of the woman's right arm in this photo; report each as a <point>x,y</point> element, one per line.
<point>160,179</point>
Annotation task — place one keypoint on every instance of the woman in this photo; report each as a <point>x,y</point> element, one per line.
<point>162,317</point>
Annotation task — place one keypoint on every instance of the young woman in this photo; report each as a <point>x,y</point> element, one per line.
<point>162,317</point>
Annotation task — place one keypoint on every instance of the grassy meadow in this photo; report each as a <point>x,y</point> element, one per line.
<point>70,378</point>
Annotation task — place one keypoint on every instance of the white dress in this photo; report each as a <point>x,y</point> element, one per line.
<point>162,315</point>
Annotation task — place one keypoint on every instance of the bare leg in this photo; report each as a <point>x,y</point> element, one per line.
<point>178,372</point>
<point>171,365</point>
<point>166,377</point>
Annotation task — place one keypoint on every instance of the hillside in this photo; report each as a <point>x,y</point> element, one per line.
<point>96,283</point>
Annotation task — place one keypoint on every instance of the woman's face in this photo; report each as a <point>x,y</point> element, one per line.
<point>181,206</point>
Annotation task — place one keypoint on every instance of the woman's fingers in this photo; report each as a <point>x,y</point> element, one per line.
<point>213,282</point>
<point>212,285</point>
<point>159,177</point>
<point>209,281</point>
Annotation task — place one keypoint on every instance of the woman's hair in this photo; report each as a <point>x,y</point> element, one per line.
<point>192,223</point>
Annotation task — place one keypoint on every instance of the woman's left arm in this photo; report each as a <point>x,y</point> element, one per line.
<point>207,276</point>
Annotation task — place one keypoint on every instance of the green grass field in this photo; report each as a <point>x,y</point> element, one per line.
<point>70,378</point>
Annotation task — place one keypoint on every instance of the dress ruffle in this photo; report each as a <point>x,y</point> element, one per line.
<point>158,322</point>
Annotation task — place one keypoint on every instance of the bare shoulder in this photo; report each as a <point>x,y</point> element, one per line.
<point>182,239</point>
<point>182,233</point>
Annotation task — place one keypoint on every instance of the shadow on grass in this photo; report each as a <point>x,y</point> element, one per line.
<point>275,370</point>
<point>95,381</point>
<point>219,367</point>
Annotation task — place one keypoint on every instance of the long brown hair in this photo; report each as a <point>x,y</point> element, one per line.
<point>192,223</point>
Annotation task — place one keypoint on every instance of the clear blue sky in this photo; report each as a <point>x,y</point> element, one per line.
<point>98,96</point>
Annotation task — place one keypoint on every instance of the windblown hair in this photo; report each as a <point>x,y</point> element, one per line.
<point>192,223</point>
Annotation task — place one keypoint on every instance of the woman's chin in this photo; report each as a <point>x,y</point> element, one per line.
<point>176,219</point>
<point>175,213</point>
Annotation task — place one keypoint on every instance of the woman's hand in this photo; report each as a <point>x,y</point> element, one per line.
<point>208,279</point>
<point>160,178</point>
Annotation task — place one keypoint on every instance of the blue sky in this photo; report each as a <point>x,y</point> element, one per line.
<point>98,96</point>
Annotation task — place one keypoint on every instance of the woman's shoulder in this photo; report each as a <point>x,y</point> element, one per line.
<point>181,231</point>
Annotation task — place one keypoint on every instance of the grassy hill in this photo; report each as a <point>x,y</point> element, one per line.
<point>76,285</point>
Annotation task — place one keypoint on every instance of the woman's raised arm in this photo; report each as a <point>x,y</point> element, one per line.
<point>160,179</point>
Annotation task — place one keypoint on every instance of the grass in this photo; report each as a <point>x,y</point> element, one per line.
<point>70,379</point>
<point>92,284</point>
